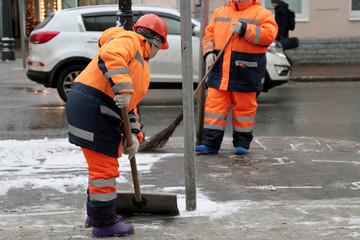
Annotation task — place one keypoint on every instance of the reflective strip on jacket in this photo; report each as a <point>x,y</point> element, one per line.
<point>120,65</point>
<point>242,66</point>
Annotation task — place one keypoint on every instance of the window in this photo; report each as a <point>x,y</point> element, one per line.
<point>99,23</point>
<point>174,26</point>
<point>300,7</point>
<point>354,10</point>
<point>68,4</point>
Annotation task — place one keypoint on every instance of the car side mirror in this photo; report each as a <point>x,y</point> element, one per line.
<point>196,31</point>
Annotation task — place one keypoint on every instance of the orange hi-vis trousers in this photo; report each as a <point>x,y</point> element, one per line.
<point>103,171</point>
<point>217,105</point>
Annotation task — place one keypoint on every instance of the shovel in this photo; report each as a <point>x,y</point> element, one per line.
<point>128,203</point>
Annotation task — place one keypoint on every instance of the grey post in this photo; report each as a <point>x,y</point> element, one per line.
<point>8,53</point>
<point>202,17</point>
<point>22,31</point>
<point>188,104</point>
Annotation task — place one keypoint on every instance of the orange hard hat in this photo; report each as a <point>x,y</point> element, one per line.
<point>154,23</point>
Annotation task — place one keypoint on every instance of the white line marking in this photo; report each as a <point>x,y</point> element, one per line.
<point>260,144</point>
<point>329,147</point>
<point>292,146</point>
<point>280,160</point>
<point>356,184</point>
<point>336,161</point>
<point>271,187</point>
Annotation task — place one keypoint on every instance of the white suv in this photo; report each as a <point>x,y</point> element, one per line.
<point>63,44</point>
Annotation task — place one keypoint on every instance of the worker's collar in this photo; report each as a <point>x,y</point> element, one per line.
<point>241,6</point>
<point>145,46</point>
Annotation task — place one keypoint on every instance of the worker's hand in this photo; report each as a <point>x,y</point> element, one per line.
<point>210,60</point>
<point>133,149</point>
<point>122,100</point>
<point>236,27</point>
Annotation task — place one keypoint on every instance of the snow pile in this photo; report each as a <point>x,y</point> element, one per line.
<point>57,164</point>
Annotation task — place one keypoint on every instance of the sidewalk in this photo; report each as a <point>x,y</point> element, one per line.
<point>325,73</point>
<point>279,191</point>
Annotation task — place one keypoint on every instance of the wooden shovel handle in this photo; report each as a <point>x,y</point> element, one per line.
<point>129,142</point>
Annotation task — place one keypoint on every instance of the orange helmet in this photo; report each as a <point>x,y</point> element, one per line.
<point>154,23</point>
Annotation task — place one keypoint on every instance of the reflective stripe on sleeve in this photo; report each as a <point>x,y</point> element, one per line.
<point>209,41</point>
<point>122,86</point>
<point>117,71</point>
<point>211,47</point>
<point>135,126</point>
<point>81,133</point>
<point>109,40</point>
<point>133,116</point>
<point>248,35</point>
<point>257,35</point>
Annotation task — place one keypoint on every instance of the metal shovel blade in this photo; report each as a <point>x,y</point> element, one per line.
<point>154,203</point>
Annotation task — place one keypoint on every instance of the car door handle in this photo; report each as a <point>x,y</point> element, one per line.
<point>93,40</point>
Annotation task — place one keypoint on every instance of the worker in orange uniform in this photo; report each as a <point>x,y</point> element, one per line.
<point>238,74</point>
<point>117,77</point>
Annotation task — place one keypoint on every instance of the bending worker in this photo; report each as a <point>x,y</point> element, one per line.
<point>117,77</point>
<point>238,74</point>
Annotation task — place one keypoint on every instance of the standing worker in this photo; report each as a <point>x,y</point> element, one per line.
<point>281,18</point>
<point>238,74</point>
<point>117,77</point>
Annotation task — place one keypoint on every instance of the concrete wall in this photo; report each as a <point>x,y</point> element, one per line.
<point>326,51</point>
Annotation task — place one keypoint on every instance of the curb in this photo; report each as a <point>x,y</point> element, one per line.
<point>324,79</point>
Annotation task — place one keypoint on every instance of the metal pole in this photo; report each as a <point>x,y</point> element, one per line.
<point>203,9</point>
<point>125,15</point>
<point>22,30</point>
<point>8,53</point>
<point>188,104</point>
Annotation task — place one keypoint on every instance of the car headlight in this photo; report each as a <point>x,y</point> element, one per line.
<point>276,48</point>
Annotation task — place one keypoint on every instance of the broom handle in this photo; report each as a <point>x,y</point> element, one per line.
<point>129,142</point>
<point>212,66</point>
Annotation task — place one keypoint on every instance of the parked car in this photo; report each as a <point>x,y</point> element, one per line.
<point>63,44</point>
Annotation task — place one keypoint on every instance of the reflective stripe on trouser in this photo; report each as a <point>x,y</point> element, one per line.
<point>217,106</point>
<point>103,171</point>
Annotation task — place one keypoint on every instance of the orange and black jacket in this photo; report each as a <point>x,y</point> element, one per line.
<point>120,66</point>
<point>242,66</point>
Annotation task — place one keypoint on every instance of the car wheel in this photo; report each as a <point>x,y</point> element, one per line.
<point>66,80</point>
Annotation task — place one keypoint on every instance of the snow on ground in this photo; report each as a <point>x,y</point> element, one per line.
<point>57,164</point>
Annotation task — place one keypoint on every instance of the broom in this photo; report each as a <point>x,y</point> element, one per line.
<point>160,139</point>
